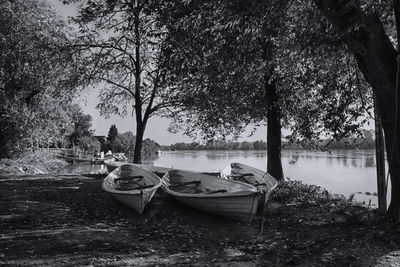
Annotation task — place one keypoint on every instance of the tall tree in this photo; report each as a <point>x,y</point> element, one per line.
<point>112,135</point>
<point>224,68</point>
<point>122,45</point>
<point>371,38</point>
<point>241,65</point>
<point>37,77</point>
<point>82,124</point>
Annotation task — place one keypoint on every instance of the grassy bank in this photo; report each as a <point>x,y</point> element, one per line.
<point>40,162</point>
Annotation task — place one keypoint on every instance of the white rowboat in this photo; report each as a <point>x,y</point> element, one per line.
<point>231,199</point>
<point>133,186</point>
<point>112,164</point>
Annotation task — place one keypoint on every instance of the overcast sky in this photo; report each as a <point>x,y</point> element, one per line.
<point>157,128</point>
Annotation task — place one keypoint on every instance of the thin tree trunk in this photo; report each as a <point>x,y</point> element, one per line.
<point>380,161</point>
<point>376,58</point>
<point>140,125</point>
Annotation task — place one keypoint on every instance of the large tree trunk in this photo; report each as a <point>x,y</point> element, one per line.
<point>376,58</point>
<point>274,143</point>
<point>137,156</point>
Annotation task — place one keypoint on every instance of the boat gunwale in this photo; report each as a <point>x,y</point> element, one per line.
<point>116,164</point>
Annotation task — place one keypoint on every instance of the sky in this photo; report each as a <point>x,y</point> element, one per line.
<point>157,127</point>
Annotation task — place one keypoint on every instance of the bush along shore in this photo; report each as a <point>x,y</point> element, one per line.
<point>303,225</point>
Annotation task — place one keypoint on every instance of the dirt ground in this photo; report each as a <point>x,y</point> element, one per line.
<point>68,220</point>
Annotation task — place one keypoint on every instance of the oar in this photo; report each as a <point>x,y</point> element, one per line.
<point>128,178</point>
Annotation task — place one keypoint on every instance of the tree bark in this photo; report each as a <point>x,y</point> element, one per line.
<point>140,125</point>
<point>376,58</point>
<point>380,161</point>
<point>137,155</point>
<point>274,143</point>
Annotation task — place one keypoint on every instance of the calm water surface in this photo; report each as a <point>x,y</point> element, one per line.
<point>339,171</point>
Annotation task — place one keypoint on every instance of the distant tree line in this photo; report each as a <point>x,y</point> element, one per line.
<point>364,142</point>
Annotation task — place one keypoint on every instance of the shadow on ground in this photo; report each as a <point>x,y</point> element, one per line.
<point>68,220</point>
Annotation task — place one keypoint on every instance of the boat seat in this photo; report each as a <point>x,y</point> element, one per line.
<point>235,175</point>
<point>186,183</point>
<point>143,186</point>
<point>217,191</point>
<point>129,178</point>
<point>139,187</point>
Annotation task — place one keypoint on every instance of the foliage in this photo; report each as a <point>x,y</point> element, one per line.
<point>45,123</point>
<point>103,143</point>
<point>299,192</point>
<point>112,135</point>
<point>231,51</point>
<point>370,31</point>
<point>216,62</point>
<point>89,143</point>
<point>37,77</point>
<point>331,97</point>
<point>124,142</point>
<point>82,127</point>
<point>150,147</point>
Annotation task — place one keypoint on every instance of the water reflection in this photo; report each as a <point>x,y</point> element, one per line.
<point>344,160</point>
<point>369,162</point>
<point>329,162</point>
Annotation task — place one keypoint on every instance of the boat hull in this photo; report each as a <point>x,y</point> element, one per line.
<point>240,208</point>
<point>239,201</point>
<point>136,199</point>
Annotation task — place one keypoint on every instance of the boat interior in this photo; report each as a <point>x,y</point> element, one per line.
<point>195,183</point>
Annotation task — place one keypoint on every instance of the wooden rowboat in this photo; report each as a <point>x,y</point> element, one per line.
<point>247,174</point>
<point>231,199</point>
<point>133,186</point>
<point>112,164</point>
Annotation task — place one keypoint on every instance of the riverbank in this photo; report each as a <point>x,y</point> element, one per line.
<point>40,162</point>
<point>67,220</point>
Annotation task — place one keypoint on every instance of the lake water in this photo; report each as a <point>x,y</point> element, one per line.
<point>339,171</point>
